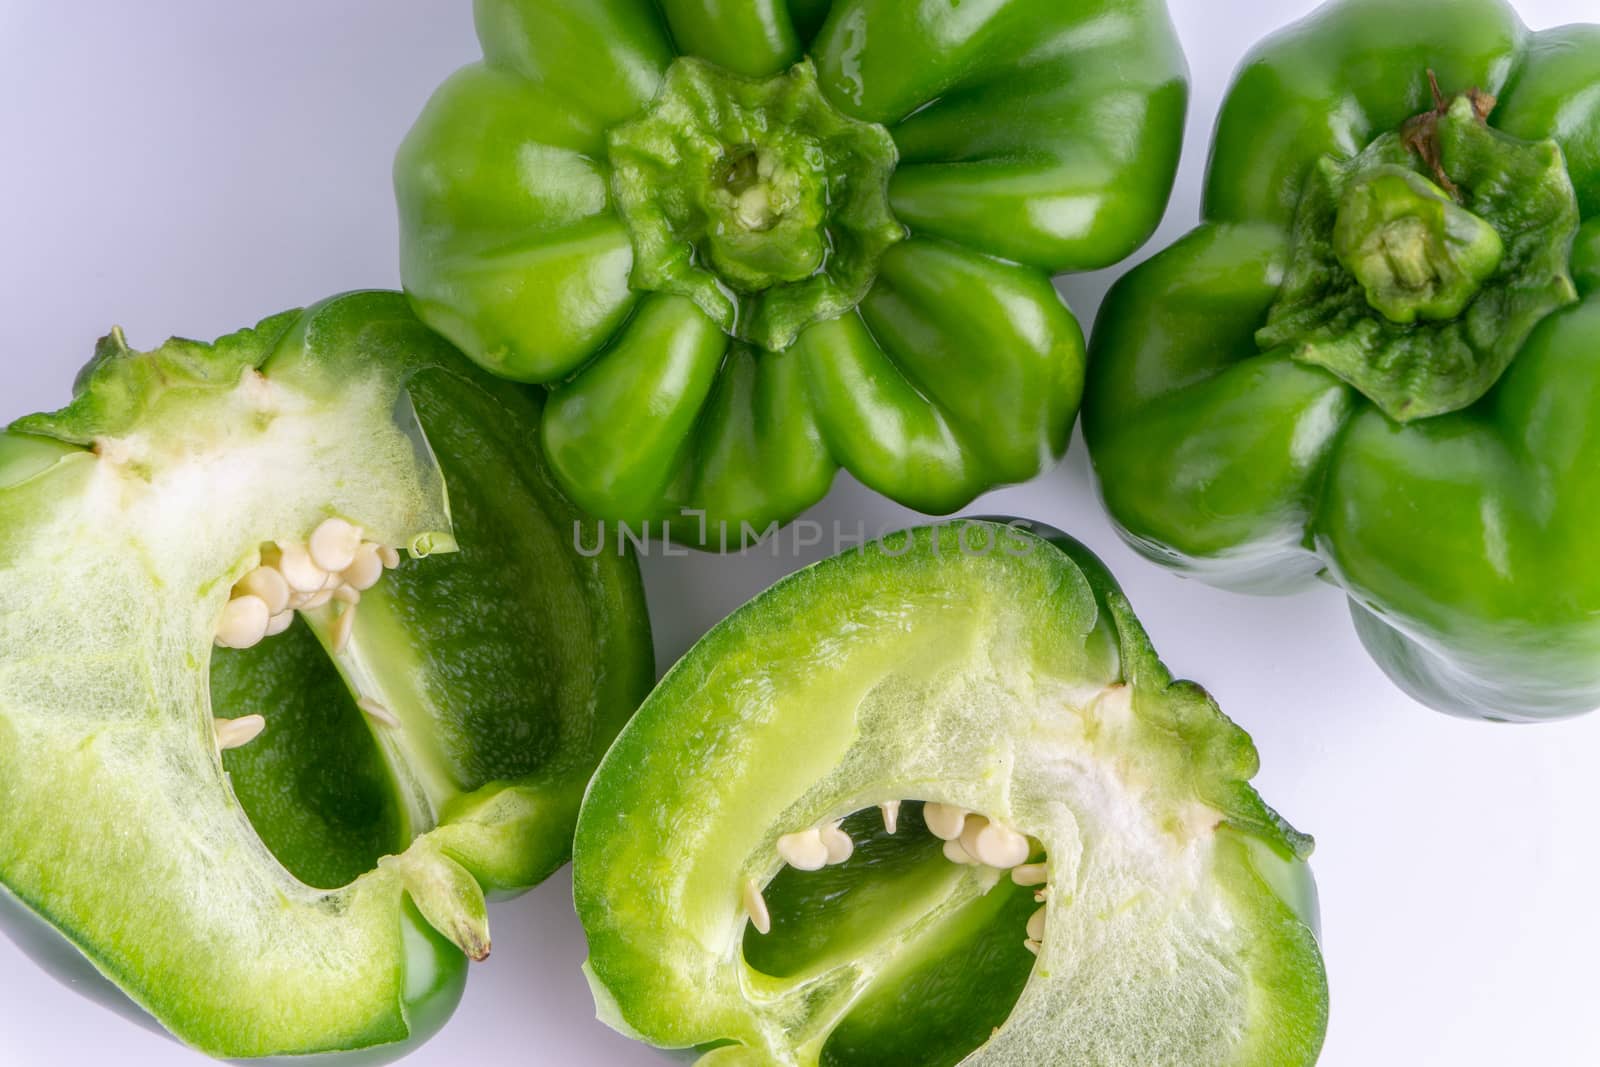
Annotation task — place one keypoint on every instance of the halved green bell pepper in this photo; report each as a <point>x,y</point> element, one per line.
<point>284,844</point>
<point>1377,360</point>
<point>748,242</point>
<point>755,870</point>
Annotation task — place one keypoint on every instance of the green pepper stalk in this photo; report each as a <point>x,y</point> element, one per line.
<point>262,769</point>
<point>937,801</point>
<point>746,243</point>
<point>1371,361</point>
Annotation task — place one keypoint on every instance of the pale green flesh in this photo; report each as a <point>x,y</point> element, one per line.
<point>482,828</point>
<point>990,687</point>
<point>376,664</point>
<point>113,572</point>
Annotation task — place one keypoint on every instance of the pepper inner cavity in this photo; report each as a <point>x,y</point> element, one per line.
<point>945,948</point>
<point>960,837</point>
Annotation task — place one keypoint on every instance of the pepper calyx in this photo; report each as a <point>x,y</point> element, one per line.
<point>1419,267</point>
<point>1416,253</point>
<point>755,198</point>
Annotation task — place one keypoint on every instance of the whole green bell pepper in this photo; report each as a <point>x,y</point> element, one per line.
<point>1377,360</point>
<point>826,836</point>
<point>259,770</point>
<point>748,242</point>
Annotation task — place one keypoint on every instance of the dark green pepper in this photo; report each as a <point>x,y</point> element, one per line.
<point>260,770</point>
<point>937,801</point>
<point>1378,358</point>
<point>748,242</point>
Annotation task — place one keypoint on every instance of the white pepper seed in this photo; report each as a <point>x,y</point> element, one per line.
<point>232,733</point>
<point>944,821</point>
<point>956,854</point>
<point>756,906</point>
<point>347,594</point>
<point>244,622</point>
<point>343,624</point>
<point>313,601</point>
<point>268,584</point>
<point>1032,946</point>
<point>279,623</point>
<point>803,850</point>
<point>974,826</point>
<point>837,842</point>
<point>333,544</point>
<point>298,568</point>
<point>365,570</point>
<point>390,557</point>
<point>1030,874</point>
<point>1036,925</point>
<point>1000,846</point>
<point>891,816</point>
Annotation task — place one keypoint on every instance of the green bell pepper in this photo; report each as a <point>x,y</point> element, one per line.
<point>755,870</point>
<point>748,242</point>
<point>259,770</point>
<point>1377,360</point>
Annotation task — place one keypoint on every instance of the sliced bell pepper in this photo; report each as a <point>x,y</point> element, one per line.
<point>262,772</point>
<point>746,244</point>
<point>1377,360</point>
<point>938,801</point>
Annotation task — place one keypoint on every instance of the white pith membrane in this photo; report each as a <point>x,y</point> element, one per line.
<point>927,688</point>
<point>119,575</point>
<point>1108,986</point>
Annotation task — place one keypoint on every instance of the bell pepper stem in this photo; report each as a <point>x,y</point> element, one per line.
<point>1421,133</point>
<point>446,894</point>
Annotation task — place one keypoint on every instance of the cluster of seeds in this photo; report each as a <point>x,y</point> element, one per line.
<point>969,839</point>
<point>1034,874</point>
<point>336,564</point>
<point>976,840</point>
<point>814,849</point>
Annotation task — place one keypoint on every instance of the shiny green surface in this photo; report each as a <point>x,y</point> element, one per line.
<point>1446,478</point>
<point>319,890</point>
<point>976,665</point>
<point>578,211</point>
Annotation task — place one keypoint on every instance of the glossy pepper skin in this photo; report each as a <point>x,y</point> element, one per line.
<point>1377,360</point>
<point>746,243</point>
<point>995,667</point>
<point>320,889</point>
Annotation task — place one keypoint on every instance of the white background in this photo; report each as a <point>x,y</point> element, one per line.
<point>187,166</point>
